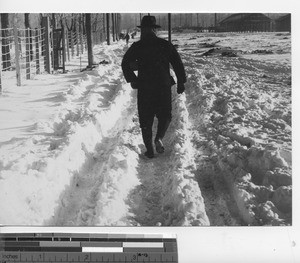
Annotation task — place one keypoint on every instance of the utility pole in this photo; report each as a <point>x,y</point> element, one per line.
<point>169,27</point>
<point>107,29</point>
<point>215,20</point>
<point>88,24</point>
<point>113,26</point>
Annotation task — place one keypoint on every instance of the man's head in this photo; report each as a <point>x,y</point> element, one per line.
<point>149,21</point>
<point>148,26</point>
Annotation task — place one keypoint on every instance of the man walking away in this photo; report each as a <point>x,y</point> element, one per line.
<point>153,56</point>
<point>127,38</point>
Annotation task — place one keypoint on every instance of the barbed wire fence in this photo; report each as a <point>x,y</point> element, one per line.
<point>28,52</point>
<point>22,53</point>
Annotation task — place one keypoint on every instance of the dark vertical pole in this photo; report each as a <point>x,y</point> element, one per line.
<point>113,26</point>
<point>104,33</point>
<point>37,52</point>
<point>89,39</point>
<point>27,27</point>
<point>67,43</point>
<point>215,21</point>
<point>53,21</point>
<point>17,52</point>
<point>5,43</point>
<point>72,42</point>
<point>80,34</point>
<point>117,26</point>
<point>77,37</point>
<point>46,25</point>
<point>169,26</point>
<point>27,36</point>
<point>107,29</point>
<point>63,33</point>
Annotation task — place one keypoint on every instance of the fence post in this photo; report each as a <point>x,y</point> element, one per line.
<point>77,41</point>
<point>37,51</point>
<point>107,29</point>
<point>63,44</point>
<point>27,40</point>
<point>68,43</point>
<point>31,43</point>
<point>17,53</point>
<point>46,25</point>
<point>0,76</point>
<point>72,43</point>
<point>80,37</point>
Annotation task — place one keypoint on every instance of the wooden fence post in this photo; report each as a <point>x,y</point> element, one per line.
<point>37,52</point>
<point>28,55</point>
<point>72,43</point>
<point>63,48</point>
<point>17,53</point>
<point>68,43</point>
<point>77,41</point>
<point>113,26</point>
<point>0,75</point>
<point>0,80</point>
<point>107,29</point>
<point>46,25</point>
<point>81,41</point>
<point>169,28</point>
<point>31,43</point>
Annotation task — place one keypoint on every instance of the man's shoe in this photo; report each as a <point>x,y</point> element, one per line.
<point>159,146</point>
<point>149,154</point>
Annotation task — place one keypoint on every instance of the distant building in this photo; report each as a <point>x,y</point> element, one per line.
<point>244,22</point>
<point>283,23</point>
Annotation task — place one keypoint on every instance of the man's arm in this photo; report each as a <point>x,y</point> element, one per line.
<point>177,65</point>
<point>128,59</point>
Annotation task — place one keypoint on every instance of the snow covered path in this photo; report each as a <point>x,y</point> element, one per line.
<point>93,173</point>
<point>228,148</point>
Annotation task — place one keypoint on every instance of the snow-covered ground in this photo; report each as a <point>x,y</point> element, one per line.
<point>70,144</point>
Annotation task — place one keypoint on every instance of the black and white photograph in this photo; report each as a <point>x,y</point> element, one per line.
<point>160,119</point>
<point>140,119</point>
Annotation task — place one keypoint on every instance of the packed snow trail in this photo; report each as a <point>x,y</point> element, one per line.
<point>116,187</point>
<point>228,148</point>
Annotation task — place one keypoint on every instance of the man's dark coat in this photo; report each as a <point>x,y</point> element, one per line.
<point>152,57</point>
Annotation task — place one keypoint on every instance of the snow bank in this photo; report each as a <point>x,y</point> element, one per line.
<point>183,199</point>
<point>244,110</point>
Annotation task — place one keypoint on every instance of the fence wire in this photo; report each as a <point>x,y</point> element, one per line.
<point>30,46</point>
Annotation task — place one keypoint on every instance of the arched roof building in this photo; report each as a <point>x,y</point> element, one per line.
<point>243,22</point>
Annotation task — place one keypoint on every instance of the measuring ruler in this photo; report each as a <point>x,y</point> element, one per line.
<point>87,247</point>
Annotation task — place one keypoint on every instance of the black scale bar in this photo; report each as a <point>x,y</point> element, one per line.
<point>87,257</point>
<point>66,247</point>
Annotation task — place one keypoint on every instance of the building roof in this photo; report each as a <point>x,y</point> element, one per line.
<point>245,16</point>
<point>288,16</point>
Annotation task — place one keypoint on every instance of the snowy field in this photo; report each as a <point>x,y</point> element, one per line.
<point>70,144</point>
